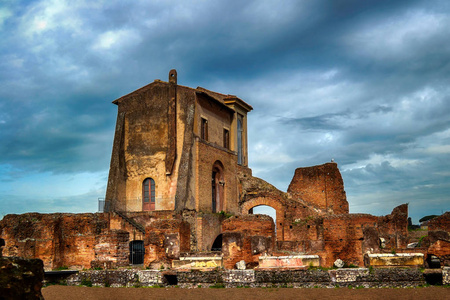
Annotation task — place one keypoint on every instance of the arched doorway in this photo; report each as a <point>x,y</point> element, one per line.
<point>137,252</point>
<point>217,187</point>
<point>265,210</point>
<point>217,245</point>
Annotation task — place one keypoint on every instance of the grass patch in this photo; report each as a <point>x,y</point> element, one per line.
<point>225,214</point>
<point>86,282</point>
<point>217,285</point>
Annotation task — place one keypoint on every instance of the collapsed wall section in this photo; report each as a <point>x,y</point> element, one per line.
<point>165,240</point>
<point>321,186</point>
<point>438,239</point>
<point>246,238</point>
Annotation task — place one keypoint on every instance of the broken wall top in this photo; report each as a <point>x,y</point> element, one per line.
<point>321,186</point>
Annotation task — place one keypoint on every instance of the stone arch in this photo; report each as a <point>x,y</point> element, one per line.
<point>217,244</point>
<point>275,204</point>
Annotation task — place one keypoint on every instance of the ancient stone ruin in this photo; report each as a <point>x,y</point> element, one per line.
<point>180,195</point>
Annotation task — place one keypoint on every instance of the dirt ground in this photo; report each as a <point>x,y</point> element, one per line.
<point>56,292</point>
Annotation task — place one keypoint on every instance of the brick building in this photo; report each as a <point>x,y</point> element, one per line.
<point>177,148</point>
<point>179,170</point>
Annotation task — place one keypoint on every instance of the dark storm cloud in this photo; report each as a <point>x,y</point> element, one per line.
<point>363,82</point>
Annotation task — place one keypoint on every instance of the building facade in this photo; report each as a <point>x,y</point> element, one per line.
<point>177,148</point>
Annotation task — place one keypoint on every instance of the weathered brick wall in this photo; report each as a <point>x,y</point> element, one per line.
<point>343,237</point>
<point>58,239</point>
<point>394,227</point>
<point>209,226</point>
<point>165,240</point>
<point>441,223</point>
<point>111,249</point>
<point>439,238</point>
<point>207,155</point>
<point>246,238</point>
<point>321,186</point>
<point>346,236</point>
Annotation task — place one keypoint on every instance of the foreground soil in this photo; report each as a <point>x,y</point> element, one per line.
<point>87,293</point>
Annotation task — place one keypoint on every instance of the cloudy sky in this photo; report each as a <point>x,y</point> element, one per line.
<point>363,82</point>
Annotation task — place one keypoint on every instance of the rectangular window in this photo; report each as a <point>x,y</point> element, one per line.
<point>204,129</point>
<point>226,138</point>
<point>148,194</point>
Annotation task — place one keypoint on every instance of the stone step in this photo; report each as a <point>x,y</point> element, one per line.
<point>198,262</point>
<point>131,221</point>
<point>201,254</point>
<point>291,261</point>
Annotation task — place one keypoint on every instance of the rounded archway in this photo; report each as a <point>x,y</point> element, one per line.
<point>280,210</point>
<point>265,210</point>
<point>217,245</point>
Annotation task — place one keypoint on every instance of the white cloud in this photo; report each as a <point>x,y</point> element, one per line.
<point>116,39</point>
<point>440,149</point>
<point>398,36</point>
<point>378,159</point>
<point>49,15</point>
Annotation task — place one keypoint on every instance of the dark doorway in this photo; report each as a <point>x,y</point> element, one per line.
<point>217,188</point>
<point>217,245</point>
<point>137,252</point>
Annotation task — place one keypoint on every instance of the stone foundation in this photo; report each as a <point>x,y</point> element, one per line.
<point>356,277</point>
<point>446,275</point>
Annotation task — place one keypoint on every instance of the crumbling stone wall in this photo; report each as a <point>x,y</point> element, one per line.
<point>440,223</point>
<point>363,277</point>
<point>60,240</point>
<point>246,238</point>
<point>209,227</point>
<point>111,249</point>
<point>255,192</point>
<point>165,240</point>
<point>346,236</point>
<point>321,186</point>
<point>439,238</point>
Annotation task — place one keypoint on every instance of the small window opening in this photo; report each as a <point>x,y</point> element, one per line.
<point>226,139</point>
<point>204,129</point>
